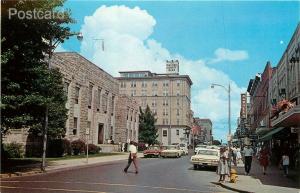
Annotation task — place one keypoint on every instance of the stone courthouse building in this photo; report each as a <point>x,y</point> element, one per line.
<point>94,102</point>
<point>94,105</point>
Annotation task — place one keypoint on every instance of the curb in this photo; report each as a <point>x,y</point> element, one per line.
<point>233,189</point>
<point>18,174</point>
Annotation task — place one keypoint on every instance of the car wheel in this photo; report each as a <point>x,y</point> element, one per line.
<point>195,167</point>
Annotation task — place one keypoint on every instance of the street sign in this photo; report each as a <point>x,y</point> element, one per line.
<point>87,131</point>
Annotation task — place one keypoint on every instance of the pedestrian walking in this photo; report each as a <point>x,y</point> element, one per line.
<point>238,156</point>
<point>223,169</point>
<point>233,152</point>
<point>285,160</point>
<point>248,153</point>
<point>264,158</point>
<point>132,157</point>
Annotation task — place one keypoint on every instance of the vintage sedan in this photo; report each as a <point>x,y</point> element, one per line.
<point>206,158</point>
<point>171,151</point>
<point>184,148</point>
<point>152,151</point>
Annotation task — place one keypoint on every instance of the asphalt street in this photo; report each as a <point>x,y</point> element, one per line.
<point>156,175</point>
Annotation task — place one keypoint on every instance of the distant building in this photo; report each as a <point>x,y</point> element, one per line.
<point>206,130</point>
<point>168,96</point>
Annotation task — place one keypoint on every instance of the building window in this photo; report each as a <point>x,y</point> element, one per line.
<point>75,126</point>
<point>154,111</point>
<point>177,92</point>
<point>90,95</point>
<point>165,93</point>
<point>167,121</point>
<point>77,90</point>
<point>177,131</point>
<point>177,112</point>
<point>66,88</point>
<point>133,93</point>
<point>166,83</point>
<point>154,93</point>
<point>165,133</point>
<point>177,121</point>
<point>178,102</point>
<point>154,103</point>
<point>144,84</point>
<point>144,92</point>
<point>154,83</point>
<point>165,112</point>
<point>104,101</point>
<point>112,105</point>
<point>98,98</point>
<point>165,102</point>
<point>123,84</point>
<point>133,84</point>
<point>178,82</point>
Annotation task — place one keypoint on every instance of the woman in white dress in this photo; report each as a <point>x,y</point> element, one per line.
<point>223,169</point>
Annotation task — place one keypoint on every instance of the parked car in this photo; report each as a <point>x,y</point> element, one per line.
<point>184,149</point>
<point>171,151</point>
<point>199,146</point>
<point>152,151</point>
<point>206,158</point>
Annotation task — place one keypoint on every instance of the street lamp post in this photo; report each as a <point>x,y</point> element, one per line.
<point>45,131</point>
<point>229,119</point>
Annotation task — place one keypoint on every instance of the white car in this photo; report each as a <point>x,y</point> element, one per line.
<point>184,149</point>
<point>206,157</point>
<point>199,147</point>
<point>171,151</point>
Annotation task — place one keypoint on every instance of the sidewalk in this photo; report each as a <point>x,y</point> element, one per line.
<point>69,164</point>
<point>273,182</point>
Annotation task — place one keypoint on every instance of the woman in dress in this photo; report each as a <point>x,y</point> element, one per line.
<point>264,159</point>
<point>223,169</point>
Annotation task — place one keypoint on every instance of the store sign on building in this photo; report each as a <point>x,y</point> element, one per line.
<point>172,66</point>
<point>243,106</point>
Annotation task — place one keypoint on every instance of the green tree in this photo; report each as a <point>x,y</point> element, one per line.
<point>147,130</point>
<point>216,142</point>
<point>28,85</point>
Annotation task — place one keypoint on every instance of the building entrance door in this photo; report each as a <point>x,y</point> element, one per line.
<point>100,133</point>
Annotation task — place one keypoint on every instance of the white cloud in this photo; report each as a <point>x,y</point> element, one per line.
<point>222,54</point>
<point>128,46</point>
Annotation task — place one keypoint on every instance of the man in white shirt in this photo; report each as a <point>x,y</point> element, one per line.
<point>248,153</point>
<point>132,157</point>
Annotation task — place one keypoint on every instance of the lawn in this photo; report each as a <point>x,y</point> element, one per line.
<point>27,164</point>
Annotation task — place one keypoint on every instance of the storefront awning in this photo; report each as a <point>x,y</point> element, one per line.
<point>268,136</point>
<point>260,131</point>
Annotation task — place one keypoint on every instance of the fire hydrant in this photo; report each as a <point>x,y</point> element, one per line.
<point>233,176</point>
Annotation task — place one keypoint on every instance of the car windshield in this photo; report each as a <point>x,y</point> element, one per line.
<point>182,145</point>
<point>153,148</point>
<point>207,152</point>
<point>170,147</point>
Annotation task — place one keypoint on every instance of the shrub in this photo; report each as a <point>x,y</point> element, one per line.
<point>59,148</point>
<point>93,149</point>
<point>67,147</point>
<point>55,148</point>
<point>14,150</point>
<point>77,146</point>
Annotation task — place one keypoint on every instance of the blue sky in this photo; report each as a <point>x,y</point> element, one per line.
<point>214,41</point>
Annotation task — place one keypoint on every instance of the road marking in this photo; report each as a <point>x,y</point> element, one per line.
<point>111,184</point>
<point>50,189</point>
